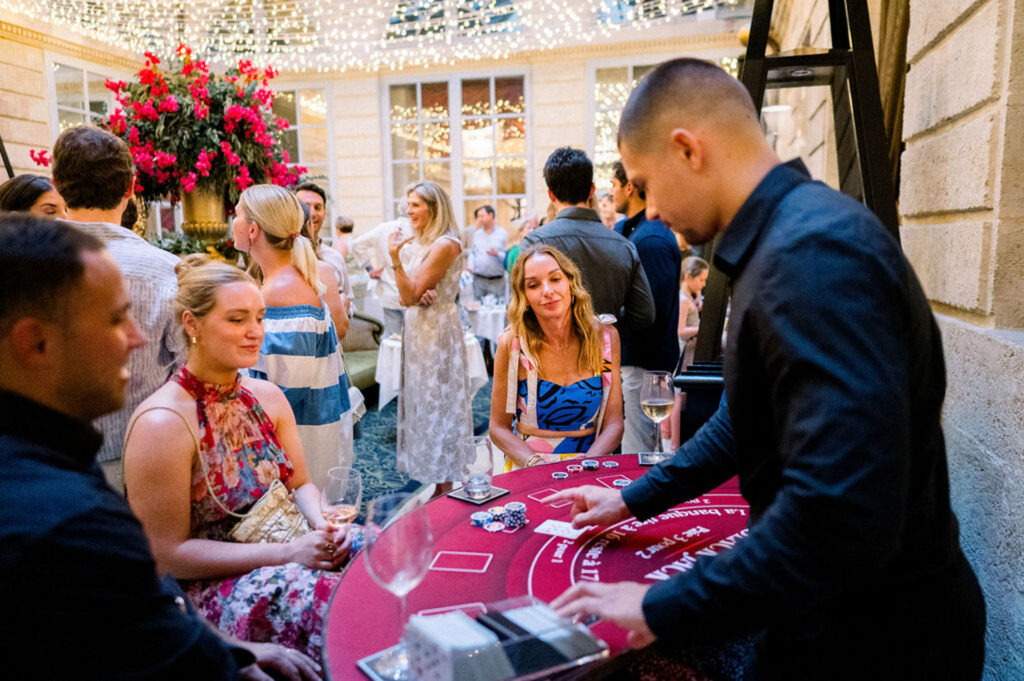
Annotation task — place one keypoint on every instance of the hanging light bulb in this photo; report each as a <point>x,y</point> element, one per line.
<point>368,35</point>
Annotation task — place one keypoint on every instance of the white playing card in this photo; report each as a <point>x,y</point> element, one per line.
<point>559,528</point>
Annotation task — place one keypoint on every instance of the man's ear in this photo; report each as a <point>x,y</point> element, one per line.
<point>131,190</point>
<point>32,342</point>
<point>688,147</point>
<point>551,196</point>
<point>590,196</point>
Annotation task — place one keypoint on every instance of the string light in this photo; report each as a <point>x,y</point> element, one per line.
<point>366,35</point>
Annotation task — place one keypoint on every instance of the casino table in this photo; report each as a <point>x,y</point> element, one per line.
<point>472,567</point>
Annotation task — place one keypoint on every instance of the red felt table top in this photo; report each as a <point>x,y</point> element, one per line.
<point>472,567</point>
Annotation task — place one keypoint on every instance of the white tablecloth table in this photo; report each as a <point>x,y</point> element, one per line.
<point>487,321</point>
<point>389,368</point>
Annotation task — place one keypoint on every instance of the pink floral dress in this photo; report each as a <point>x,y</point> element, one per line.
<point>282,604</point>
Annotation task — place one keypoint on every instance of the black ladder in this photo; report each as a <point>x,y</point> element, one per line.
<point>6,160</point>
<point>849,69</point>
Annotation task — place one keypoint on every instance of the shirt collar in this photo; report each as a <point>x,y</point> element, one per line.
<point>629,224</point>
<point>741,235</point>
<point>577,213</point>
<point>37,423</point>
<point>109,230</point>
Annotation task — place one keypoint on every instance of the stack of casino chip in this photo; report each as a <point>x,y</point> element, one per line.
<point>574,468</point>
<point>497,513</point>
<point>515,514</point>
<point>480,518</point>
<point>590,465</point>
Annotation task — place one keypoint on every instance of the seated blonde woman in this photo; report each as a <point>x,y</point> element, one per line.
<point>557,390</point>
<point>209,442</point>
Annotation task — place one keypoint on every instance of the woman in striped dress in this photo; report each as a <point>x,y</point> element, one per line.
<point>300,352</point>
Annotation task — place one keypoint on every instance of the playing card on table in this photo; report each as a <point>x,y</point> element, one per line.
<point>559,528</point>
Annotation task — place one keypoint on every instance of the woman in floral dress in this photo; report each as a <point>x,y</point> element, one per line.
<point>434,405</point>
<point>209,441</point>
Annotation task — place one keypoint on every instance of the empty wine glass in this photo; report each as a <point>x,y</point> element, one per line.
<point>341,496</point>
<point>399,548</point>
<point>477,456</point>
<point>656,400</point>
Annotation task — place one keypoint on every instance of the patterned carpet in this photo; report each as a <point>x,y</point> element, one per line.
<point>375,450</point>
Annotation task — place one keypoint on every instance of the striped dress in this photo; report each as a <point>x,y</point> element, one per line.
<point>302,356</point>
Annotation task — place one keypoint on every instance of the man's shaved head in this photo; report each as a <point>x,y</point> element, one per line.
<point>683,93</point>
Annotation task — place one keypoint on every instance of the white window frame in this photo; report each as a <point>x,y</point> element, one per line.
<point>53,58</point>
<point>332,175</point>
<point>454,80</point>
<point>632,62</point>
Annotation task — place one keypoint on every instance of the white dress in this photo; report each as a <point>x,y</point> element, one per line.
<point>434,403</point>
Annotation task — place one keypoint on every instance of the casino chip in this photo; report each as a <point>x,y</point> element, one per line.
<point>590,465</point>
<point>494,527</point>
<point>480,518</point>
<point>497,512</point>
<point>621,483</point>
<point>574,468</point>
<point>515,514</point>
<point>559,475</point>
<point>610,464</point>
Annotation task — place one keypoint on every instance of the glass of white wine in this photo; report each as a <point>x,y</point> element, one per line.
<point>657,397</point>
<point>341,496</point>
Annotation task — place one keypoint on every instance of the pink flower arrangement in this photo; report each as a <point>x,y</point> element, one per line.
<point>188,129</point>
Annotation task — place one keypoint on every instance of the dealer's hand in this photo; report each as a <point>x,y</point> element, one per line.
<point>621,603</point>
<point>592,505</point>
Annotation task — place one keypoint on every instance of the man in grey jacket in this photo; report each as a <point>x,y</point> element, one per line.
<point>611,268</point>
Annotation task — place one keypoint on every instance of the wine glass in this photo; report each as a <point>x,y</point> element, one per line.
<point>399,548</point>
<point>656,400</point>
<point>341,496</point>
<point>477,456</point>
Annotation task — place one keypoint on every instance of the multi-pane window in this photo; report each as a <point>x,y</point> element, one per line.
<point>612,87</point>
<point>306,139</point>
<point>81,96</point>
<point>483,163</point>
<point>493,146</point>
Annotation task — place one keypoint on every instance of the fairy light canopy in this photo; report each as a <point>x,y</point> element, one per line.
<point>366,35</point>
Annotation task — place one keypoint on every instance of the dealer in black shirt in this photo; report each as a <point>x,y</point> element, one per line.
<point>834,381</point>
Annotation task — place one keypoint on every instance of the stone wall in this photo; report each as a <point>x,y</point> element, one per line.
<point>961,206</point>
<point>24,108</point>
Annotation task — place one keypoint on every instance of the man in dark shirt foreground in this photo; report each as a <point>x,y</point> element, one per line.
<point>77,581</point>
<point>834,381</point>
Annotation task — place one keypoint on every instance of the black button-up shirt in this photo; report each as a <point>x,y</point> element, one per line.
<point>834,381</point>
<point>78,583</point>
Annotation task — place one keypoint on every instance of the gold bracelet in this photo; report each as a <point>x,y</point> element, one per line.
<point>534,460</point>
<point>396,267</point>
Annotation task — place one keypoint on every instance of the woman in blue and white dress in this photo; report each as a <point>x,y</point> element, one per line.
<point>300,352</point>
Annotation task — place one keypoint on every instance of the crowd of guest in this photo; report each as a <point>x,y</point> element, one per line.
<point>200,387</point>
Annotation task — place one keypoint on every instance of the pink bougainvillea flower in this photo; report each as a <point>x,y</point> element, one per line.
<point>230,156</point>
<point>169,104</point>
<point>118,123</point>
<point>145,111</point>
<point>243,179</point>
<point>164,160</point>
<point>40,158</point>
<point>188,182</point>
<point>115,86</point>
